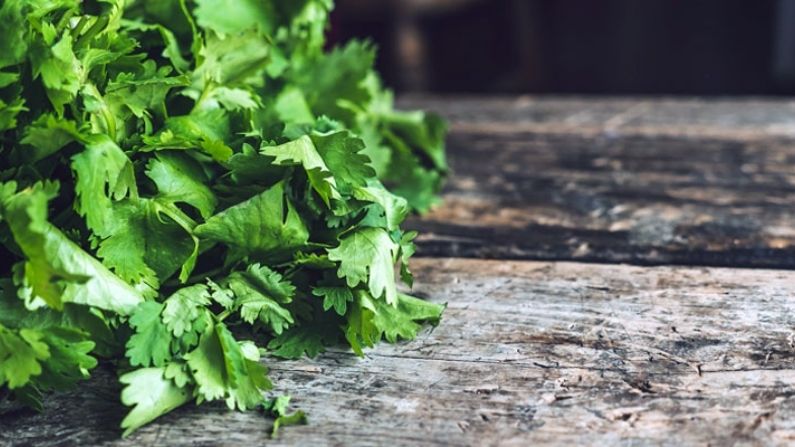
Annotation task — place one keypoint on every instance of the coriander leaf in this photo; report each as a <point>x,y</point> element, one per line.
<point>336,297</point>
<point>259,292</point>
<point>69,360</point>
<point>207,364</point>
<point>277,407</point>
<point>369,319</point>
<point>234,60</point>
<point>368,256</point>
<point>9,112</point>
<point>223,370</point>
<point>232,99</point>
<point>206,129</point>
<point>151,342</point>
<point>361,331</point>
<point>296,342</point>
<point>407,250</point>
<point>395,207</point>
<point>104,174</point>
<point>184,307</point>
<point>56,269</point>
<point>402,321</point>
<point>229,17</point>
<point>142,93</point>
<point>291,106</point>
<point>178,372</point>
<point>220,295</point>
<point>124,251</point>
<point>172,49</point>
<point>180,179</point>
<point>265,224</point>
<point>303,152</point>
<point>151,395</point>
<point>342,154</point>
<point>409,178</point>
<point>247,378</point>
<point>422,132</point>
<point>60,71</point>
<point>338,74</point>
<point>171,242</point>
<point>13,41</point>
<point>48,134</point>
<point>21,355</point>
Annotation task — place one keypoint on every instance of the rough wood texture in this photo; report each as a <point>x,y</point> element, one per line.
<point>637,181</point>
<point>528,353</point>
<point>557,352</point>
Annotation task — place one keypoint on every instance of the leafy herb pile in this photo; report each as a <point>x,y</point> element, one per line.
<point>186,186</point>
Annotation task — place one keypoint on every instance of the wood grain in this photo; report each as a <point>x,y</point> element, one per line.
<point>636,181</point>
<point>528,352</point>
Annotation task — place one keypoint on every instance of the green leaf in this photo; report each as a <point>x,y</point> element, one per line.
<point>234,16</point>
<point>151,395</point>
<point>180,179</point>
<point>13,33</point>
<point>21,355</point>
<point>124,251</point>
<point>368,256</point>
<point>277,407</point>
<point>56,269</point>
<point>259,293</point>
<point>303,152</point>
<point>342,154</point>
<point>70,359</point>
<point>336,78</point>
<point>296,342</point>
<point>369,320</point>
<point>151,342</point>
<point>415,138</point>
<point>334,297</point>
<point>9,112</point>
<point>265,224</point>
<point>246,377</point>
<point>403,321</point>
<point>422,132</point>
<point>395,208</point>
<point>104,174</point>
<point>143,93</point>
<point>224,370</point>
<point>60,70</point>
<point>291,106</point>
<point>184,307</point>
<point>234,60</point>
<point>233,99</point>
<point>220,295</point>
<point>205,129</point>
<point>207,363</point>
<point>47,135</point>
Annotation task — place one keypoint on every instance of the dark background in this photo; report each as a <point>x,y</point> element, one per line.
<point>688,47</point>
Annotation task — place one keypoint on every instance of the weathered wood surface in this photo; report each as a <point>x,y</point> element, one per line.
<point>528,353</point>
<point>557,352</point>
<point>638,181</point>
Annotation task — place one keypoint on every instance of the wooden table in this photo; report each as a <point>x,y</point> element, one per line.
<point>616,272</point>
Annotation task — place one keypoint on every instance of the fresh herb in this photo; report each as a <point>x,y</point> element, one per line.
<point>187,186</point>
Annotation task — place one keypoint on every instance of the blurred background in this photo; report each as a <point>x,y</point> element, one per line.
<point>672,47</point>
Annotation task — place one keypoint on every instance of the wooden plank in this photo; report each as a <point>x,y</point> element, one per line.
<point>643,182</point>
<point>723,119</point>
<point>528,352</point>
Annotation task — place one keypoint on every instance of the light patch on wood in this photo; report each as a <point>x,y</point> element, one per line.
<point>528,353</point>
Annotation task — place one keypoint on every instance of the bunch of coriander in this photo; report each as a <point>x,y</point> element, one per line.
<point>188,185</point>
